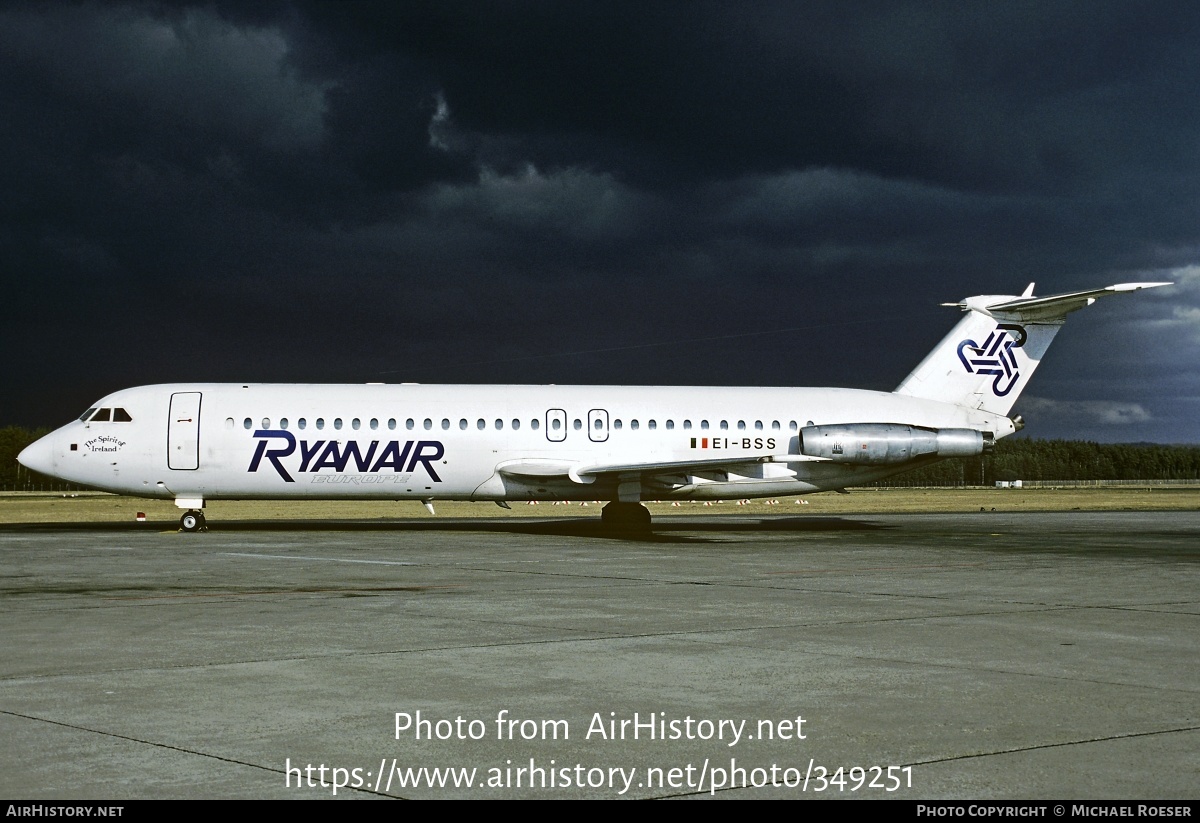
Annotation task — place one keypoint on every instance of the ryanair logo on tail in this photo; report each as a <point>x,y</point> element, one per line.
<point>996,356</point>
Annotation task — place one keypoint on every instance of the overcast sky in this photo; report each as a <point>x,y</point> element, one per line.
<point>572,192</point>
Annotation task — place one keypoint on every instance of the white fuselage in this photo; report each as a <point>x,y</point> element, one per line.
<point>200,442</point>
<point>197,442</point>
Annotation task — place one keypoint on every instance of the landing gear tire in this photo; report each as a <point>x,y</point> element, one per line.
<point>625,517</point>
<point>192,521</point>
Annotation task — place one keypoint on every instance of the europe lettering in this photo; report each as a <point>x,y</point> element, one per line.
<point>393,456</point>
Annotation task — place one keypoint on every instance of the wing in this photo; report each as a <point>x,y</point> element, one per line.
<point>587,473</point>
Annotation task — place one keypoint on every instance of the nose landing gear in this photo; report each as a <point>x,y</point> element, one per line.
<point>192,521</point>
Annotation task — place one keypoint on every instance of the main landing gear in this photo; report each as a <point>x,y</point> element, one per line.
<point>192,521</point>
<point>625,517</point>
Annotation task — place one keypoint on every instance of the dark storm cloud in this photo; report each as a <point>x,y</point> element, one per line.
<point>1023,95</point>
<point>762,193</point>
<point>193,71</point>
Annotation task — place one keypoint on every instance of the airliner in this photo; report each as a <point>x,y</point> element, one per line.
<point>198,442</point>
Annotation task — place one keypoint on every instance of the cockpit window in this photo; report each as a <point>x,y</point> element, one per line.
<point>83,417</point>
<point>102,416</point>
<point>121,416</point>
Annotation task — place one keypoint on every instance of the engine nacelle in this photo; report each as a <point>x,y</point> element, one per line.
<point>877,444</point>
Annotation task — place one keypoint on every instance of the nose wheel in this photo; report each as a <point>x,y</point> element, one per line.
<point>192,521</point>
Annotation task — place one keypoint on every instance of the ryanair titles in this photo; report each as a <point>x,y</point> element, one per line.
<point>279,446</point>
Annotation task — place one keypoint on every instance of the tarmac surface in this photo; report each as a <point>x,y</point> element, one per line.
<point>971,656</point>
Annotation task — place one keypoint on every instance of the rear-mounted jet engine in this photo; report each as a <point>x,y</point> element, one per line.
<point>876,444</point>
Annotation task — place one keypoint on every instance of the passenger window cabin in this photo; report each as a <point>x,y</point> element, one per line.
<point>120,415</point>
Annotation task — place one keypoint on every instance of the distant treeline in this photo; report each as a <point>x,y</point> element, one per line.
<point>1013,459</point>
<point>1022,459</point>
<point>12,474</point>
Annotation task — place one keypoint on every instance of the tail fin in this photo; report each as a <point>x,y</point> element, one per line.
<point>987,359</point>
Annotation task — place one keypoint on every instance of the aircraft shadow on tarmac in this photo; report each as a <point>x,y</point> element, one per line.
<point>665,530</point>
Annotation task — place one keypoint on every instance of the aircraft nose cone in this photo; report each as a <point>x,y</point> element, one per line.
<point>38,456</point>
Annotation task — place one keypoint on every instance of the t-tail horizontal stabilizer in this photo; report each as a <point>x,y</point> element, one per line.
<point>988,358</point>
